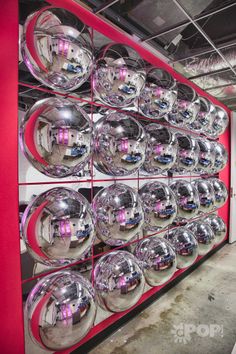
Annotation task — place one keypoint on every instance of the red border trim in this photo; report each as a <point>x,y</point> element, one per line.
<point>12,336</point>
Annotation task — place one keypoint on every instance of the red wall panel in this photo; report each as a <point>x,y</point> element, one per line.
<point>11,333</point>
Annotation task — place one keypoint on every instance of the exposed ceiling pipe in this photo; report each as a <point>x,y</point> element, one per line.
<point>210,63</point>
<point>222,76</point>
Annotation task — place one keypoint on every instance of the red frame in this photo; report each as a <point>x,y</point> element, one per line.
<point>12,334</point>
<point>12,329</point>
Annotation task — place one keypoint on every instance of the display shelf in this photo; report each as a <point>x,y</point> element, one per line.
<point>135,114</point>
<point>98,179</point>
<point>11,280</point>
<point>108,179</point>
<point>95,256</point>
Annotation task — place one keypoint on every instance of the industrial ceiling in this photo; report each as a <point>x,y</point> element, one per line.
<point>197,37</point>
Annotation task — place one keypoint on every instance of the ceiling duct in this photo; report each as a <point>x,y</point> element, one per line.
<point>210,62</point>
<point>210,70</point>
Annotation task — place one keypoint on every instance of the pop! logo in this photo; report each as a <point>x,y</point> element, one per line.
<point>182,332</point>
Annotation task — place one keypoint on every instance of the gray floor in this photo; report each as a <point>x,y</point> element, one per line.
<point>203,303</point>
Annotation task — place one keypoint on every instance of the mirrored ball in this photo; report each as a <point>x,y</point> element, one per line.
<point>207,156</point>
<point>185,246</point>
<point>204,234</point>
<point>221,157</point>
<point>204,117</point>
<point>162,148</point>
<point>119,75</point>
<point>58,227</point>
<point>120,144</point>
<point>60,310</point>
<point>159,205</point>
<point>55,136</point>
<point>118,281</point>
<point>187,155</point>
<point>119,214</point>
<point>218,226</point>
<point>186,107</point>
<point>158,259</point>
<point>220,190</point>
<point>219,124</point>
<point>206,194</point>
<point>159,94</point>
<point>187,199</point>
<point>57,49</point>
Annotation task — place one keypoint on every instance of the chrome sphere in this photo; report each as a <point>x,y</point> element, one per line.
<point>119,75</point>
<point>204,234</point>
<point>218,226</point>
<point>158,259</point>
<point>119,214</point>
<point>206,194</point>
<point>207,156</point>
<point>55,137</point>
<point>120,145</point>
<point>57,49</point>
<point>58,227</point>
<point>187,199</point>
<point>60,310</point>
<point>220,190</point>
<point>205,116</point>
<point>162,148</point>
<point>159,94</point>
<point>186,107</point>
<point>187,156</point>
<point>118,281</point>
<point>159,205</point>
<point>219,124</point>
<point>221,157</point>
<point>185,246</point>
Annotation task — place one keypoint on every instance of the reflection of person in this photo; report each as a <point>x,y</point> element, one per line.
<point>72,68</point>
<point>127,88</point>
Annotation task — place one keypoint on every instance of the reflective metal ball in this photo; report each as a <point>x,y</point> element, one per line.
<point>187,155</point>
<point>159,205</point>
<point>118,281</point>
<point>57,49</point>
<point>204,117</point>
<point>119,214</point>
<point>60,310</point>
<point>219,124</point>
<point>204,234</point>
<point>187,199</point>
<point>185,246</point>
<point>159,94</point>
<point>119,75</point>
<point>186,107</point>
<point>55,137</point>
<point>58,227</point>
<point>220,190</point>
<point>120,144</point>
<point>158,259</point>
<point>218,226</point>
<point>221,157</point>
<point>207,156</point>
<point>162,148</point>
<point>206,194</point>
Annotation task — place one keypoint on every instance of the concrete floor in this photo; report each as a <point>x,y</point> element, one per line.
<point>204,301</point>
